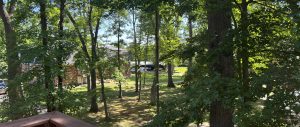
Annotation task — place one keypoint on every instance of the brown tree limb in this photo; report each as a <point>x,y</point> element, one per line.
<point>90,21</point>
<point>83,43</point>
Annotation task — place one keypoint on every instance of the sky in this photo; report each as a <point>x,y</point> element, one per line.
<point>127,35</point>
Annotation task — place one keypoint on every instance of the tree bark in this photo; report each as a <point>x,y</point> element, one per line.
<point>146,57</point>
<point>154,99</point>
<point>47,69</point>
<point>88,79</point>
<point>119,59</point>
<point>170,76</point>
<point>145,67</point>
<point>135,51</point>
<point>94,105</point>
<point>245,48</point>
<point>100,70</point>
<point>140,80</point>
<point>220,116</point>
<point>11,49</point>
<point>60,57</point>
<point>219,22</point>
<point>61,35</point>
<point>190,23</point>
<point>156,74</point>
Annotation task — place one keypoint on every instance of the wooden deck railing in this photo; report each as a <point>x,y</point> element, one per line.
<point>51,119</point>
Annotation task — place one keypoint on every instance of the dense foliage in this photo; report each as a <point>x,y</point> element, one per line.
<point>261,44</point>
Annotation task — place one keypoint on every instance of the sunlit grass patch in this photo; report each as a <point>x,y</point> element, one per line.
<point>127,112</point>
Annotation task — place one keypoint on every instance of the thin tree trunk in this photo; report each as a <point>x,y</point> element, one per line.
<point>140,80</point>
<point>11,49</point>
<point>245,48</point>
<point>94,106</point>
<point>139,64</point>
<point>47,68</point>
<point>61,35</point>
<point>190,36</point>
<point>146,58</point>
<point>145,64</point>
<point>157,22</point>
<point>219,22</point>
<point>170,76</point>
<point>88,79</point>
<point>60,57</point>
<point>100,70</point>
<point>119,59</point>
<point>135,51</point>
<point>153,92</point>
<point>154,98</point>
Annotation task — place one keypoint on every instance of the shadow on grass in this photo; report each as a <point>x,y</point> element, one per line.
<point>127,111</point>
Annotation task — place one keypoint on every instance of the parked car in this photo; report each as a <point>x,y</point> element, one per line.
<point>3,87</point>
<point>149,67</point>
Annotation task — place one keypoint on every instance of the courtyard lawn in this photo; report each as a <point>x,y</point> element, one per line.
<point>128,111</point>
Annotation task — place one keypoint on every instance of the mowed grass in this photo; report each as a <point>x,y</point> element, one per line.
<point>128,112</point>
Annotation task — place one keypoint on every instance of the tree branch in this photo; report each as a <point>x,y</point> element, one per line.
<point>90,21</point>
<point>83,43</point>
<point>3,13</point>
<point>97,27</point>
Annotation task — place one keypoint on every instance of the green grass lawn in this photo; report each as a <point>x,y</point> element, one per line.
<point>128,111</point>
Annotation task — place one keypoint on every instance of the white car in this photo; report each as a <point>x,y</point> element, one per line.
<point>142,69</point>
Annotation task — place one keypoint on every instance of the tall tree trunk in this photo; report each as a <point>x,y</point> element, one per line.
<point>140,80</point>
<point>47,68</point>
<point>145,67</point>
<point>139,64</point>
<point>94,106</point>
<point>219,22</point>
<point>155,85</point>
<point>60,57</point>
<point>100,70</point>
<point>155,88</point>
<point>170,76</point>
<point>190,22</point>
<point>245,48</point>
<point>119,59</point>
<point>146,58</point>
<point>220,116</point>
<point>61,35</point>
<point>140,86</point>
<point>11,49</point>
<point>135,51</point>
<point>91,61</point>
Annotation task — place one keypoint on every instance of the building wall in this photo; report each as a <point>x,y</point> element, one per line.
<point>73,75</point>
